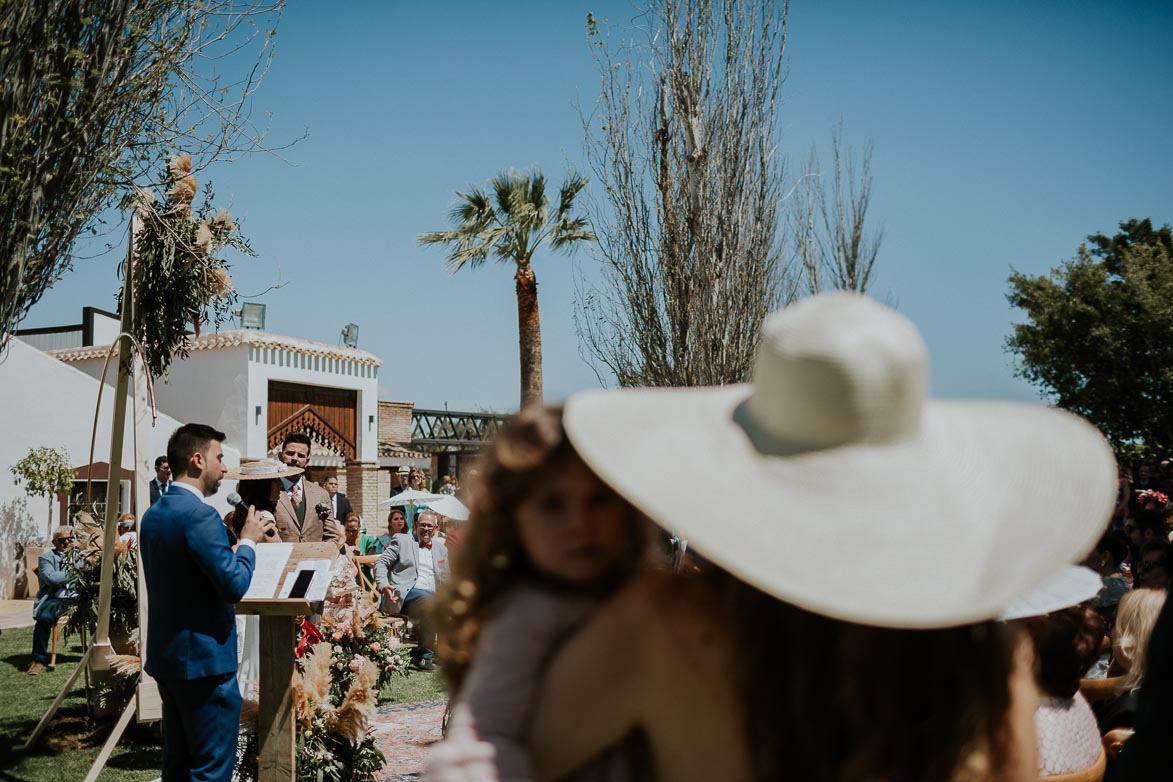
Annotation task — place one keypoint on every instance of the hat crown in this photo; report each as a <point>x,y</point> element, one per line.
<point>836,369</point>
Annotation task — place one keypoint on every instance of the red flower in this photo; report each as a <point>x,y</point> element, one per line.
<point>308,635</point>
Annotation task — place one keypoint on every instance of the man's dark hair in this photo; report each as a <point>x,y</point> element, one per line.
<point>161,460</point>
<point>297,437</point>
<point>185,442</point>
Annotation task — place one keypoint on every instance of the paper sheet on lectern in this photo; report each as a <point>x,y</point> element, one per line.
<point>271,560</point>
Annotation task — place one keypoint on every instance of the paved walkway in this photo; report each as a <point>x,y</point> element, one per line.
<point>16,613</point>
<point>404,732</point>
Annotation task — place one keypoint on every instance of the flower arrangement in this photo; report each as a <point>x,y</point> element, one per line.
<point>1152,495</point>
<point>341,666</point>
<point>180,277</point>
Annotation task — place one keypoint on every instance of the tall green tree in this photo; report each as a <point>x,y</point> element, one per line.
<point>1098,338</point>
<point>511,222</point>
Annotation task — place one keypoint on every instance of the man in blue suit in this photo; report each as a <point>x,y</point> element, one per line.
<point>194,579</point>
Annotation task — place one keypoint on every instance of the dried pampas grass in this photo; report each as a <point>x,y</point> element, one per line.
<point>180,165</point>
<point>311,687</point>
<point>125,664</point>
<point>221,283</point>
<point>203,238</point>
<point>183,192</point>
<point>358,707</point>
<point>223,221</point>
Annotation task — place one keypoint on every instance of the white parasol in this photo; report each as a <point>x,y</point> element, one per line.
<point>449,507</point>
<point>411,497</point>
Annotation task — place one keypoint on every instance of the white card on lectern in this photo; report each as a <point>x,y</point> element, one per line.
<point>271,561</point>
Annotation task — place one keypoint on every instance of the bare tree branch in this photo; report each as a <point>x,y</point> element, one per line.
<point>830,242</point>
<point>683,140</point>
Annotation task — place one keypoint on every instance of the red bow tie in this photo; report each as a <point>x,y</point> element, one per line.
<point>425,545</point>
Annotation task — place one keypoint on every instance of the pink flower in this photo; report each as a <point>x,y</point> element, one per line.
<point>355,665</point>
<point>337,635</point>
<point>338,666</point>
<point>376,646</point>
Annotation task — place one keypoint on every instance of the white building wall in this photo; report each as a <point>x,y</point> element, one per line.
<point>44,402</point>
<point>105,329</point>
<point>225,386</point>
<point>289,366</point>
<point>208,387</point>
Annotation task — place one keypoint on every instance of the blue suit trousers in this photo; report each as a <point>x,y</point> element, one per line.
<point>201,726</point>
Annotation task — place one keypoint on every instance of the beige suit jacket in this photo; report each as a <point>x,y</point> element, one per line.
<point>314,529</point>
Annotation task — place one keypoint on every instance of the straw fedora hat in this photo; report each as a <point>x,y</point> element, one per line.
<point>842,488</point>
<point>261,469</point>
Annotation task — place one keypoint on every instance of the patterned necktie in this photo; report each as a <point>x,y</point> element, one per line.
<point>295,494</point>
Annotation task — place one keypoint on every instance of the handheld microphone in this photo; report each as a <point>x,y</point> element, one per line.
<point>238,503</point>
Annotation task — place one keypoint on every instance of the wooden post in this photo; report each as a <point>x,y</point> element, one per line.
<point>276,722</point>
<point>102,650</point>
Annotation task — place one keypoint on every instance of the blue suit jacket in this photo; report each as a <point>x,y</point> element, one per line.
<point>193,582</point>
<point>54,594</point>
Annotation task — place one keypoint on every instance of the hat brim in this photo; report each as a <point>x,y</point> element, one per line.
<point>1069,587</point>
<point>989,500</point>
<point>287,472</point>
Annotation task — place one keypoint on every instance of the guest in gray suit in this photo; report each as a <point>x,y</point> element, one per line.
<point>53,597</point>
<point>407,574</point>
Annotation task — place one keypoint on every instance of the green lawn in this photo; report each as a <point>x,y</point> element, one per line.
<point>71,742</point>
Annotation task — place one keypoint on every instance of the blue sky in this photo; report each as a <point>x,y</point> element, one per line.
<point>1004,132</point>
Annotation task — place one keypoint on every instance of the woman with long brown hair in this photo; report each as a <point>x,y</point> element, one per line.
<point>846,630</point>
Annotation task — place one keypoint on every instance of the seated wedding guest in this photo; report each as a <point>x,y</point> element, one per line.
<point>1135,619</point>
<point>770,665</point>
<point>1145,756</point>
<point>126,534</point>
<point>1066,645</point>
<point>54,596</point>
<point>407,574</point>
<point>1106,559</point>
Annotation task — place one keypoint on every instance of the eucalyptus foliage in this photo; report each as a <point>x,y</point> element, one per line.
<point>1098,338</point>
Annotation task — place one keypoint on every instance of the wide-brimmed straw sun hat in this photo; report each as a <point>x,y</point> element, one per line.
<point>261,469</point>
<point>831,481</point>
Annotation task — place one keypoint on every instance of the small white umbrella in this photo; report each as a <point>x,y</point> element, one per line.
<point>411,497</point>
<point>450,507</point>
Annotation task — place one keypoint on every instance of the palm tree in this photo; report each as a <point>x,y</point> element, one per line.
<point>512,225</point>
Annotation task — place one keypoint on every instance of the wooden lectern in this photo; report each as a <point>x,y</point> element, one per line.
<point>276,723</point>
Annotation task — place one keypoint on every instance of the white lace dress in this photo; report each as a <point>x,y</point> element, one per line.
<point>1069,739</point>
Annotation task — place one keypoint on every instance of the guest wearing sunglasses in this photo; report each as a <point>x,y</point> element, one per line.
<point>54,596</point>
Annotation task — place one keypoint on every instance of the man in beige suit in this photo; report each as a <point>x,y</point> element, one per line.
<point>298,517</point>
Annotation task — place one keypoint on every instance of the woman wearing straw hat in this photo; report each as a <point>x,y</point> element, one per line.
<point>883,663</point>
<point>259,485</point>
